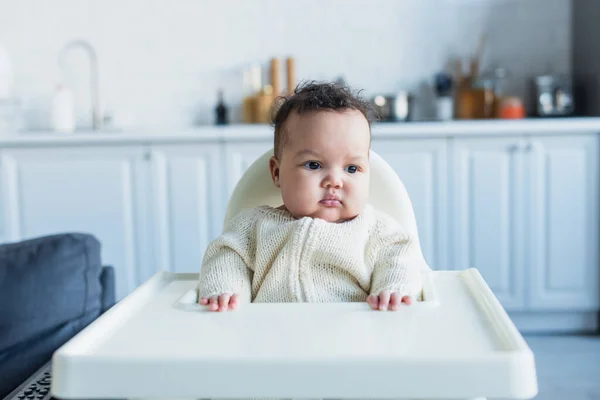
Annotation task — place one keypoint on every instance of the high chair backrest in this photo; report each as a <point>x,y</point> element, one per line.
<point>387,192</point>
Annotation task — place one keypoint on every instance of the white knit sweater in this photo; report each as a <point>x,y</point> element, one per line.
<point>267,255</point>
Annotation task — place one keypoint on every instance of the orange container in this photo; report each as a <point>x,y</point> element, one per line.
<point>511,108</point>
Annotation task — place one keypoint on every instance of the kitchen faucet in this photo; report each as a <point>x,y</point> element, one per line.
<point>94,93</point>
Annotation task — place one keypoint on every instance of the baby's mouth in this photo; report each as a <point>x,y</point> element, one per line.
<point>330,201</point>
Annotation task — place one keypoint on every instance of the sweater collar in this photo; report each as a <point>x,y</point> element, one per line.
<point>276,211</point>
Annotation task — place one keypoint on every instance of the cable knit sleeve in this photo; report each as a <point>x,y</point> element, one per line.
<point>398,262</point>
<point>229,259</point>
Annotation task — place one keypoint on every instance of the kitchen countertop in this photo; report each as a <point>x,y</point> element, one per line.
<point>547,126</point>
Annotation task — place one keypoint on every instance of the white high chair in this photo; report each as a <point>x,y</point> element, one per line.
<point>456,343</point>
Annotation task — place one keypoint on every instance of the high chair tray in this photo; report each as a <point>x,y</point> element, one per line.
<point>158,342</point>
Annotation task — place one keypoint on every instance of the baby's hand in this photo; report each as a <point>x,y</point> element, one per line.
<point>222,302</point>
<point>385,298</point>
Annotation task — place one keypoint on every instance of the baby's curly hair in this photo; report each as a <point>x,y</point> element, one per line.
<point>315,96</point>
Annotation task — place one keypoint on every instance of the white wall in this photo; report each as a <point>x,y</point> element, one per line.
<point>161,61</point>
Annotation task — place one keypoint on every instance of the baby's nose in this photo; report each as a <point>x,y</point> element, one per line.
<point>333,180</point>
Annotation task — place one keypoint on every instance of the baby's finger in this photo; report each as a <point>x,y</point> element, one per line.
<point>214,303</point>
<point>224,301</point>
<point>407,300</point>
<point>384,299</point>
<point>395,301</point>
<point>204,301</point>
<point>373,301</point>
<point>233,302</point>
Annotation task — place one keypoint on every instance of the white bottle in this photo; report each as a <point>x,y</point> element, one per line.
<point>63,110</point>
<point>444,108</point>
<point>6,75</point>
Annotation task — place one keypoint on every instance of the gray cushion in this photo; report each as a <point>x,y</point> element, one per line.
<point>49,290</point>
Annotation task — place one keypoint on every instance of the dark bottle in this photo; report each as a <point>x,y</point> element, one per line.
<point>221,111</point>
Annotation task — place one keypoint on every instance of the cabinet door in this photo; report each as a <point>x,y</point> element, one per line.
<point>563,220</point>
<point>187,205</point>
<point>238,158</point>
<point>486,214</point>
<point>97,190</point>
<point>422,167</point>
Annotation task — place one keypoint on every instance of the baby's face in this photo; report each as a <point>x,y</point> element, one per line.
<point>324,167</point>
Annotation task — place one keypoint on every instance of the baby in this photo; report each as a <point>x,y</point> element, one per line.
<point>325,243</point>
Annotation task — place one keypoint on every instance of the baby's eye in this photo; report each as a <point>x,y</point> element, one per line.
<point>312,165</point>
<point>352,169</point>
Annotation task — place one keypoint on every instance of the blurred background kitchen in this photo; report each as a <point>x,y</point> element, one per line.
<point>133,120</point>
<point>163,66</point>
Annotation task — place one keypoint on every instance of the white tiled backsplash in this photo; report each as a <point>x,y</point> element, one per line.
<point>161,62</point>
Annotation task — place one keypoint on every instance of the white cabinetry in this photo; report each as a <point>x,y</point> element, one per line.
<point>487,214</point>
<point>562,221</point>
<point>523,209</point>
<point>422,167</point>
<point>524,212</point>
<point>97,190</point>
<point>187,203</point>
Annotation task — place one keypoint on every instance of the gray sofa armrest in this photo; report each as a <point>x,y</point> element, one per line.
<point>107,280</point>
<point>50,289</point>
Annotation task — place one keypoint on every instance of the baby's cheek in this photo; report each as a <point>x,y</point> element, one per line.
<point>362,190</point>
<point>293,198</point>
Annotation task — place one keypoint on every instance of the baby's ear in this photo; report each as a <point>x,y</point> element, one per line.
<point>274,167</point>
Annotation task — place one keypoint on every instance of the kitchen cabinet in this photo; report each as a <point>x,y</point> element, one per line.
<point>422,166</point>
<point>525,214</point>
<point>187,203</point>
<point>562,222</point>
<point>98,190</point>
<point>521,207</point>
<point>486,213</point>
